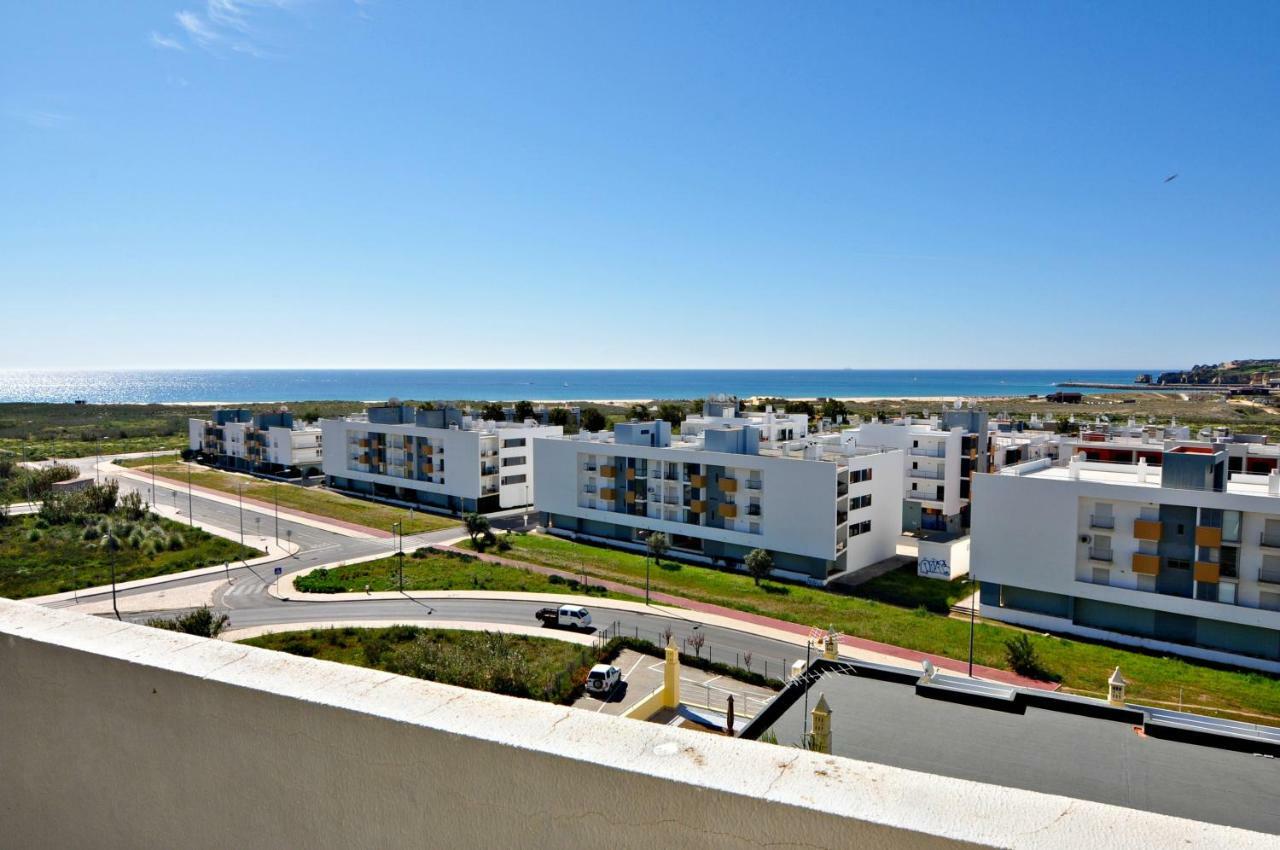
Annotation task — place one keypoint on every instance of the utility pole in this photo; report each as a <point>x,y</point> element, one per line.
<point>190,501</point>
<point>240,497</point>
<point>275,492</point>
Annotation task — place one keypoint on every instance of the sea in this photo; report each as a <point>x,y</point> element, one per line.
<point>276,385</point>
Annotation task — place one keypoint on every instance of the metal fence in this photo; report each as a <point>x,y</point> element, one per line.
<point>691,641</point>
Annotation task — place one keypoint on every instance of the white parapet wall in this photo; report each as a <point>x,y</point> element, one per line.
<point>943,559</point>
<point>116,735</point>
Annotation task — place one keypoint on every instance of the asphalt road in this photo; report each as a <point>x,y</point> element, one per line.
<point>246,601</point>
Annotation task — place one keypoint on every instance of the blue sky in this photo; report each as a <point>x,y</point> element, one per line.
<point>868,185</point>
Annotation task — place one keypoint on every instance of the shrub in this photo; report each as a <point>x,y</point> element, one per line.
<point>201,622</point>
<point>176,542</point>
<point>34,535</point>
<point>1023,658</point>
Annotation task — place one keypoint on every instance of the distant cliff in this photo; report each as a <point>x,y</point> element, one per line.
<point>1234,372</point>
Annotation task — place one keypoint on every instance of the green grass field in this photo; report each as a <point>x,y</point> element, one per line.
<point>312,500</point>
<point>535,668</point>
<point>438,570</point>
<point>1083,667</point>
<point>38,559</point>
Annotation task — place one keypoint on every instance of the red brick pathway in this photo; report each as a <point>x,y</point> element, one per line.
<point>950,664</point>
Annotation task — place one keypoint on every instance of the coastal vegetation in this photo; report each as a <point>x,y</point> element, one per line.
<point>75,540</point>
<point>537,668</point>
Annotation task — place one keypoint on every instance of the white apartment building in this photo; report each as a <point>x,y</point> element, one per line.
<point>438,458</point>
<point>265,442</point>
<point>939,454</point>
<point>820,510</point>
<point>721,410</point>
<point>1181,557</point>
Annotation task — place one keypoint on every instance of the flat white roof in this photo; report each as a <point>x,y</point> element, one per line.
<point>1126,474</point>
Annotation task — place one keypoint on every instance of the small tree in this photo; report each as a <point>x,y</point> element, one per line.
<point>524,410</point>
<point>492,410</point>
<point>477,526</point>
<point>759,564</point>
<point>638,411</point>
<point>1021,654</point>
<point>673,413</point>
<point>593,420</point>
<point>558,416</point>
<point>834,408</point>
<point>657,544</point>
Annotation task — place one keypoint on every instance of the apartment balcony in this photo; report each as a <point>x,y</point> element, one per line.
<point>1208,536</point>
<point>727,511</point>
<point>608,493</point>
<point>589,488</point>
<point>698,480</point>
<point>753,510</point>
<point>588,467</point>
<point>698,506</point>
<point>630,497</point>
<point>923,495</point>
<point>1269,541</point>
<point>927,452</point>
<point>631,473</point>
<point>428,469</point>
<point>1147,529</point>
<point>364,444</point>
<point>609,471</point>
<point>1102,555</point>
<point>428,450</point>
<point>728,485</point>
<point>1147,565</point>
<point>754,484</point>
<point>486,471</point>
<point>1206,572</point>
<point>1103,522</point>
<point>926,474</point>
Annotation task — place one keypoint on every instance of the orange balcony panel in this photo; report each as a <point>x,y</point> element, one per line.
<point>1209,537</point>
<point>631,497</point>
<point>727,511</point>
<point>1147,529</point>
<point>608,493</point>
<point>729,485</point>
<point>1147,565</point>
<point>698,506</point>
<point>631,473</point>
<point>698,480</point>
<point>609,471</point>
<point>1206,572</point>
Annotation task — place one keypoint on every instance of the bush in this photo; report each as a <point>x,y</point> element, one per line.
<point>1021,654</point>
<point>177,543</point>
<point>34,535</point>
<point>201,622</point>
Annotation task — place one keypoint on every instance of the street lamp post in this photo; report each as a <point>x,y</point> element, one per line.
<point>240,497</point>
<point>190,501</point>
<point>397,541</point>
<point>275,492</point>
<point>110,544</point>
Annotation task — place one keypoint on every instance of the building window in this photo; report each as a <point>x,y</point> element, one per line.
<point>859,528</point>
<point>514,479</point>
<point>514,443</point>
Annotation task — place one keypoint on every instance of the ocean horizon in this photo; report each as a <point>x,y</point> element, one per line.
<point>286,385</point>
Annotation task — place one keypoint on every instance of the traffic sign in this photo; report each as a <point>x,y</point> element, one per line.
<point>279,570</point>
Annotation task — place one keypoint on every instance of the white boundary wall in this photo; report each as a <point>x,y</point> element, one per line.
<point>116,735</point>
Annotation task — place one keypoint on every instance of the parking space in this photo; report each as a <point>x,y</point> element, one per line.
<point>642,675</point>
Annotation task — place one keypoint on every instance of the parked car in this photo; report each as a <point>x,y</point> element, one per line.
<point>565,617</point>
<point>603,678</point>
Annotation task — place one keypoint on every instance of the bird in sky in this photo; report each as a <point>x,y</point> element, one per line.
<point>1173,176</point>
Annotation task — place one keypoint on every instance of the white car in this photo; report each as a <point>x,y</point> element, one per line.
<point>603,678</point>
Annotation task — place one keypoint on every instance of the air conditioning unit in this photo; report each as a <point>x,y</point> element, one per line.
<point>1085,538</point>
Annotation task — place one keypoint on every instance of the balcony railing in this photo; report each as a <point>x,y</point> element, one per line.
<point>926,473</point>
<point>1096,521</point>
<point>1271,541</point>
<point>924,452</point>
<point>1101,555</point>
<point>1269,575</point>
<point>753,484</point>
